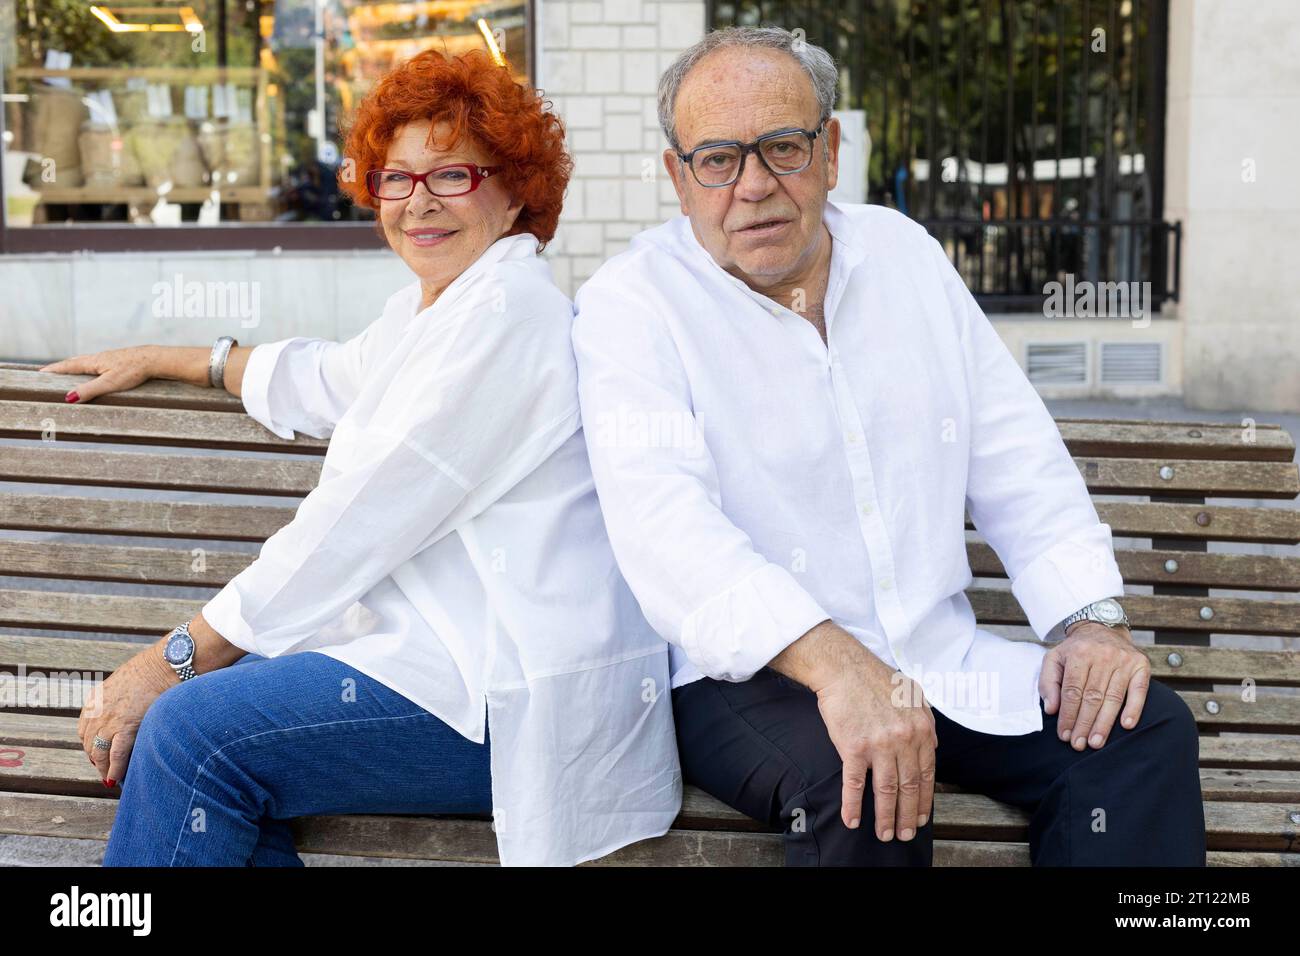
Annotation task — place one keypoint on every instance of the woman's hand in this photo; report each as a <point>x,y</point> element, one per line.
<point>119,370</point>
<point>116,707</point>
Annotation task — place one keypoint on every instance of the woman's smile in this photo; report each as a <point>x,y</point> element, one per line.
<point>425,236</point>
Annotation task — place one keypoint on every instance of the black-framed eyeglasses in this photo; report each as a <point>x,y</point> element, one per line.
<point>454,180</point>
<point>783,152</point>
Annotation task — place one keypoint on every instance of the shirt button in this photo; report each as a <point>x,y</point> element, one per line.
<point>852,438</point>
<point>866,510</point>
<point>887,584</point>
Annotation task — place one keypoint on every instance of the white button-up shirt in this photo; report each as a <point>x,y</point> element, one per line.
<point>757,481</point>
<point>454,551</point>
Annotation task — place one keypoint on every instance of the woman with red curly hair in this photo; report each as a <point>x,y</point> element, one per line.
<point>449,571</point>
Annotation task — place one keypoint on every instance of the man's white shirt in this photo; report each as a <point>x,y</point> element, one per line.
<point>756,481</point>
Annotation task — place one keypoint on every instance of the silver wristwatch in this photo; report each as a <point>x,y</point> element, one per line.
<point>179,651</point>
<point>217,360</point>
<point>1107,611</point>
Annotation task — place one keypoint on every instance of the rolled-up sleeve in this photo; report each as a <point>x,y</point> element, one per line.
<point>1024,491</point>
<point>302,384</point>
<point>470,408</point>
<point>698,578</point>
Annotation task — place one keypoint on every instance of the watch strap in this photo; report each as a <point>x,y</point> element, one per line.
<point>1085,613</point>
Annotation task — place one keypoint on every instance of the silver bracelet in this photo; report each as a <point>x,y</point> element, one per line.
<point>217,361</point>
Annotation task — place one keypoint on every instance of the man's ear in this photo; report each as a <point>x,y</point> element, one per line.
<point>833,153</point>
<point>676,173</point>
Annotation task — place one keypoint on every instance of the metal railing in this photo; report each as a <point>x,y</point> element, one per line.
<point>1028,135</point>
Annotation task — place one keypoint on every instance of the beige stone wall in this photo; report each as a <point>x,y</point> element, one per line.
<point>1232,164</point>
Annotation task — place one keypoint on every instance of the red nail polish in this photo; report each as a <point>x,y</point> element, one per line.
<point>72,397</point>
<point>111,784</point>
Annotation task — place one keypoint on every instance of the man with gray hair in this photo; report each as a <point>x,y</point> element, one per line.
<point>789,406</point>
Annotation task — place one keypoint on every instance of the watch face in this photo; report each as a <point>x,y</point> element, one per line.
<point>1109,612</point>
<point>179,649</point>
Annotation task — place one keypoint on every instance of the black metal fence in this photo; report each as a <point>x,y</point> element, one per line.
<point>1027,135</point>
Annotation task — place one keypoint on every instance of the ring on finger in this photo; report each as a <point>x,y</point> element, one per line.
<point>100,743</point>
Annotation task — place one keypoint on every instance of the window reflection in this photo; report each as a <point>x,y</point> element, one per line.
<point>207,111</point>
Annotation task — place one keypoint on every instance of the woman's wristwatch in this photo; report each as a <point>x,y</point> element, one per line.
<point>1107,611</point>
<point>217,360</point>
<point>179,652</point>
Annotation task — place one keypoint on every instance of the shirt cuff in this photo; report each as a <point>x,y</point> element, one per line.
<point>223,615</point>
<point>740,630</point>
<point>255,390</point>
<point>1068,576</point>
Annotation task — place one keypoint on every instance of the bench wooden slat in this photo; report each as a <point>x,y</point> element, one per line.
<point>208,567</point>
<point>1199,522</point>
<point>1164,612</point>
<point>1251,752</point>
<point>1245,571</point>
<point>221,522</point>
<point>1218,664</point>
<point>49,770</point>
<point>1250,479</point>
<point>161,519</point>
<point>1222,665</point>
<point>1244,825</point>
<point>1238,752</point>
<point>214,567</point>
<point>1261,786</point>
<point>1153,421</point>
<point>117,614</point>
<point>1181,441</point>
<point>129,469</point>
<point>38,652</point>
<point>19,382</point>
<point>1268,714</point>
<point>110,613</point>
<point>38,730</point>
<point>1088,437</point>
<point>67,771</point>
<point>1259,572</point>
<point>1200,479</point>
<point>187,428</point>
<point>472,841</point>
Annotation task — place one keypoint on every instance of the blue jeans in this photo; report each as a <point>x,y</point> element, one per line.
<point>223,761</point>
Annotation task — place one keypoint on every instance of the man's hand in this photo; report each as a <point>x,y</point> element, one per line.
<point>878,720</point>
<point>1088,676</point>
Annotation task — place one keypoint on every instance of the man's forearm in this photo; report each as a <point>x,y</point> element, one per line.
<point>822,655</point>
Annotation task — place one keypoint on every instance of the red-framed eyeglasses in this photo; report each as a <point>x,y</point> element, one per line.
<point>454,180</point>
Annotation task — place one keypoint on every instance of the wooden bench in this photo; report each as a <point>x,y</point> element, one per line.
<point>191,512</point>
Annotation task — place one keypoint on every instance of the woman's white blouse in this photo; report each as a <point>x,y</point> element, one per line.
<point>757,481</point>
<point>454,550</point>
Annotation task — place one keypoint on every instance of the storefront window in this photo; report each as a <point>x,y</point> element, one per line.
<point>207,112</point>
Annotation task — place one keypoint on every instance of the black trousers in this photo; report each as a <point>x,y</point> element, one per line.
<point>761,747</point>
